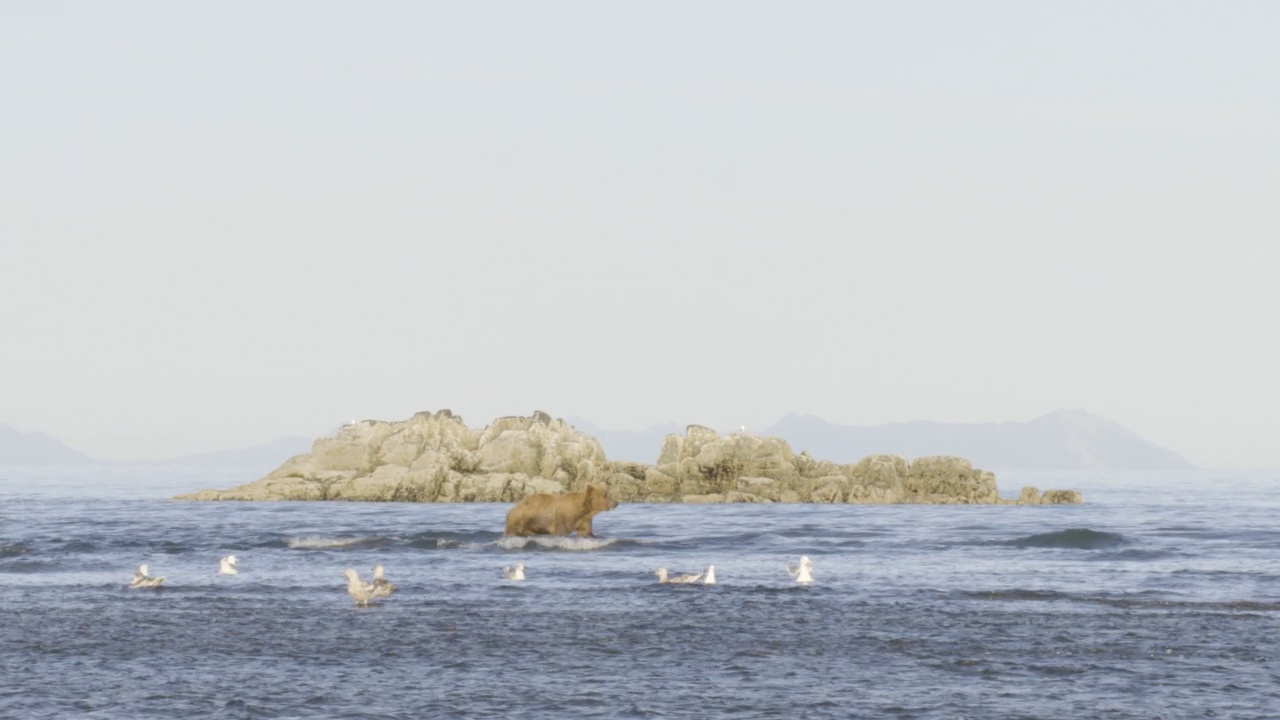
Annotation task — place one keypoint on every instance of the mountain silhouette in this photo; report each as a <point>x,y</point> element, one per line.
<point>33,448</point>
<point>1060,440</point>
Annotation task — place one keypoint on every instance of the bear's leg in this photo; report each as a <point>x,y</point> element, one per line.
<point>583,527</point>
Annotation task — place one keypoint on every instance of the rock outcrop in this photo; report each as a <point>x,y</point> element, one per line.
<point>432,457</point>
<point>435,457</point>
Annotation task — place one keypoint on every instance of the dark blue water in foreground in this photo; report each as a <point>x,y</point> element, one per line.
<point>1159,597</point>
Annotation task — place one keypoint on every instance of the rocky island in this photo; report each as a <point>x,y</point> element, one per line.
<point>435,457</point>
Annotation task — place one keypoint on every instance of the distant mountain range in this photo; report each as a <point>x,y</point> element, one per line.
<point>33,448</point>
<point>1060,440</point>
<point>269,454</point>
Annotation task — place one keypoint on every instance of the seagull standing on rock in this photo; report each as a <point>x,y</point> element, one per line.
<point>515,572</point>
<point>227,565</point>
<point>142,579</point>
<point>803,573</point>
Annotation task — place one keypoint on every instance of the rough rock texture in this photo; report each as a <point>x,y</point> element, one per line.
<point>1061,497</point>
<point>1030,495</point>
<point>435,457</point>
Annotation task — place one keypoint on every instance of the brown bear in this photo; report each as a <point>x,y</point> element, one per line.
<point>543,514</point>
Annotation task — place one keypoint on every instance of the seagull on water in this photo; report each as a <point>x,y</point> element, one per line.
<point>227,565</point>
<point>142,578</point>
<point>803,573</point>
<point>381,586</point>
<point>360,591</point>
<point>515,572</point>
<point>685,578</point>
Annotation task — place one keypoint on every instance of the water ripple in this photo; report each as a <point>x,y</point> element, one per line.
<point>916,612</point>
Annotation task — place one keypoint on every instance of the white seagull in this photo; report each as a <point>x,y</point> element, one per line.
<point>803,573</point>
<point>683,578</point>
<point>143,579</point>
<point>360,591</point>
<point>381,586</point>
<point>515,572</point>
<point>227,565</point>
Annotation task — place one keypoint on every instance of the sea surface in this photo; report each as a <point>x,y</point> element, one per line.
<point>1159,597</point>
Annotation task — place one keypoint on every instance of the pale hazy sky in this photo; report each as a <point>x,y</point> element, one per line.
<point>225,222</point>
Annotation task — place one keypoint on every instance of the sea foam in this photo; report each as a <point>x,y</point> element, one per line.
<point>551,542</point>
<point>315,542</point>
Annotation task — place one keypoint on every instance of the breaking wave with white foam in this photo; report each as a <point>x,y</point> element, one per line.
<point>550,542</point>
<point>316,542</point>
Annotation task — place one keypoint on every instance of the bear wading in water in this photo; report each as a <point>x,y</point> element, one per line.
<point>543,514</point>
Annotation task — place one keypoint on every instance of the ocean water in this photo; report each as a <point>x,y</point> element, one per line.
<point>1157,598</point>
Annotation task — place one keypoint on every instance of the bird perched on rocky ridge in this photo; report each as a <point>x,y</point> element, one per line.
<point>142,579</point>
<point>803,573</point>
<point>515,572</point>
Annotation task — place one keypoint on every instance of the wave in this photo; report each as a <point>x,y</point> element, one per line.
<point>25,566</point>
<point>169,547</point>
<point>240,708</point>
<point>551,542</point>
<point>1019,594</point>
<point>9,551</point>
<point>1073,538</point>
<point>97,543</point>
<point>73,547</point>
<point>1147,600</point>
<point>1219,605</point>
<point>1215,573</point>
<point>1134,555</point>
<point>449,540</point>
<point>454,540</point>
<point>319,542</point>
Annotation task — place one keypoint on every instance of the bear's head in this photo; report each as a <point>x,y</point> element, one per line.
<point>597,499</point>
